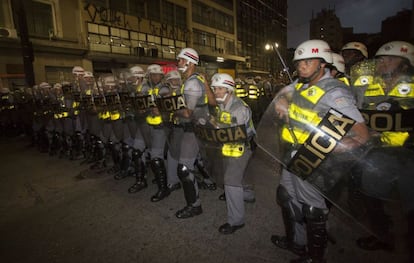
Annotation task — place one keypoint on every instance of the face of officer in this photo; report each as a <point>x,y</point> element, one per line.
<point>155,78</point>
<point>134,80</point>
<point>185,67</point>
<point>390,66</point>
<point>175,83</point>
<point>351,57</point>
<point>222,94</point>
<point>309,70</point>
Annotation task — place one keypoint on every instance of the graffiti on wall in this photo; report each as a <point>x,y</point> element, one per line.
<point>103,15</point>
<point>98,14</point>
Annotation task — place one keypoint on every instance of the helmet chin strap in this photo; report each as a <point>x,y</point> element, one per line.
<point>184,69</point>
<point>222,100</point>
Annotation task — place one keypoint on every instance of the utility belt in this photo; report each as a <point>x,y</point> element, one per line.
<point>233,140</point>
<point>154,120</point>
<point>237,149</point>
<point>109,115</point>
<point>187,126</point>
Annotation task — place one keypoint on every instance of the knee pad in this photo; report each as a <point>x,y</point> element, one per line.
<point>284,199</point>
<point>282,196</point>
<point>315,214</point>
<point>125,149</point>
<point>183,172</point>
<point>156,163</point>
<point>136,154</point>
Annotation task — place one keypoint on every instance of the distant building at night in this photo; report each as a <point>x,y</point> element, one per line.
<point>326,26</point>
<point>397,27</point>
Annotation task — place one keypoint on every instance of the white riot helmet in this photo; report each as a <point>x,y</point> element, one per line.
<point>314,48</point>
<point>222,80</point>
<point>137,71</point>
<point>189,55</point>
<point>173,74</point>
<point>154,69</point>
<point>338,62</point>
<point>77,70</point>
<point>356,46</point>
<point>397,48</point>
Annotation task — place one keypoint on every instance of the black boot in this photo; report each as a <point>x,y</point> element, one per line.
<point>115,154</point>
<point>139,170</point>
<point>316,234</point>
<point>158,168</point>
<point>287,242</point>
<point>291,215</point>
<point>125,162</point>
<point>205,182</point>
<point>99,153</point>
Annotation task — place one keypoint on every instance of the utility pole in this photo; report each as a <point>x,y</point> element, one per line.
<point>27,48</point>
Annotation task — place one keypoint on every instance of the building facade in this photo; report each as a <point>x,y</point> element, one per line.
<point>326,25</point>
<point>49,37</point>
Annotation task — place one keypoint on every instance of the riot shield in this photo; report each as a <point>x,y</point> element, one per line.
<point>388,107</point>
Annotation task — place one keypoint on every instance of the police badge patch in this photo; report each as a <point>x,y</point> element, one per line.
<point>404,89</point>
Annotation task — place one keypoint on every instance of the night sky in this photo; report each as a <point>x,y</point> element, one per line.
<point>364,16</point>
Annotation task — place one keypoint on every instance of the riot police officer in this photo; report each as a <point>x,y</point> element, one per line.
<point>154,120</point>
<point>353,52</point>
<point>194,91</point>
<point>390,93</point>
<point>338,68</point>
<point>173,131</point>
<point>241,91</point>
<point>137,129</point>
<point>300,104</point>
<point>6,107</point>
<point>232,112</point>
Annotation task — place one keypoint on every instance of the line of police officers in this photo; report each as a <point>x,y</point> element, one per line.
<point>133,119</point>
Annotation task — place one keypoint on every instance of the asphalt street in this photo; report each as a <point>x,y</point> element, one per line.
<point>50,214</point>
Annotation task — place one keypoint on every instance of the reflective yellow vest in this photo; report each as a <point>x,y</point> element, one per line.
<point>301,113</point>
<point>241,92</point>
<point>234,149</point>
<point>151,119</point>
<point>254,92</point>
